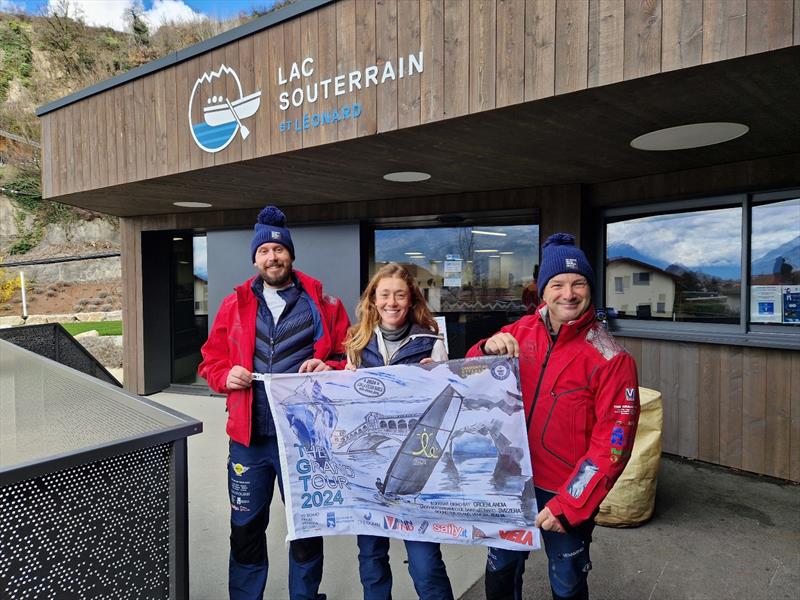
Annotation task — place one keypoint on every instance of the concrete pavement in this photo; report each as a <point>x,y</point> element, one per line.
<point>716,535</point>
<point>209,529</point>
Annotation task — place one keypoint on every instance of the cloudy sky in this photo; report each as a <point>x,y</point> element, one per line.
<point>110,13</point>
<point>711,237</point>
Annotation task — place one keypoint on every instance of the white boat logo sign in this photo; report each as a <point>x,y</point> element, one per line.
<point>221,109</point>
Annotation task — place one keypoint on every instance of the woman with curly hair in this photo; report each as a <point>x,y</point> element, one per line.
<point>395,327</point>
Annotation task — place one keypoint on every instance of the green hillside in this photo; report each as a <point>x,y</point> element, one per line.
<point>44,58</point>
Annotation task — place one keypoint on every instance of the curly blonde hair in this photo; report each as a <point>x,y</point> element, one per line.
<point>358,335</point>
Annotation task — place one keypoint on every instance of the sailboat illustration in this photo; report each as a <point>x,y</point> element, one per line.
<point>414,462</point>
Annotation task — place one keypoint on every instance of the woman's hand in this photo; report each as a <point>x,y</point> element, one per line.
<point>238,378</point>
<point>501,343</point>
<point>426,361</point>
<point>350,366</point>
<point>314,365</point>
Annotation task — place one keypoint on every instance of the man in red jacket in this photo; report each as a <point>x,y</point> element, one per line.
<point>279,321</point>
<point>580,392</point>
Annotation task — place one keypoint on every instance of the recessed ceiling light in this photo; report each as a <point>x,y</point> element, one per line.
<point>407,176</point>
<point>491,250</point>
<point>177,239</point>
<point>412,253</point>
<point>506,253</point>
<point>494,256</point>
<point>695,135</point>
<point>193,204</point>
<point>482,232</point>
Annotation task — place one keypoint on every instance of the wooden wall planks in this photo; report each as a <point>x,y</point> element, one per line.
<point>682,41</point>
<point>432,77</point>
<point>409,89</point>
<point>739,407</point>
<point>642,38</point>
<point>510,52</point>
<point>478,55</point>
<point>456,58</point>
<point>606,42</point>
<point>572,46</point>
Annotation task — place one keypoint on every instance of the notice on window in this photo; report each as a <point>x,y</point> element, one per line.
<point>453,281</point>
<point>440,321</point>
<point>766,304</point>
<point>452,266</point>
<point>791,303</point>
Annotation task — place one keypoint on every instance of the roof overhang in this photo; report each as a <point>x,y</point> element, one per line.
<point>582,137</point>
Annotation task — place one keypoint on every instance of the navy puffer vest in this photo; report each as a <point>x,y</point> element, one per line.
<point>418,345</point>
<point>281,347</point>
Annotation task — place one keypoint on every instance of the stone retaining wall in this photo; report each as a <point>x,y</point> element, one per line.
<point>83,317</point>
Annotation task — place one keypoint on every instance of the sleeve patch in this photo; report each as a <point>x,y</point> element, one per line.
<point>603,342</point>
<point>582,478</point>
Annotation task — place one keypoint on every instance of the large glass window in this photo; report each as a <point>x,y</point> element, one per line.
<point>478,278</point>
<point>676,267</point>
<point>465,269</point>
<point>775,263</point>
<point>690,264</point>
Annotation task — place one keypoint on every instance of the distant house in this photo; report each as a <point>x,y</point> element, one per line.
<point>635,288</point>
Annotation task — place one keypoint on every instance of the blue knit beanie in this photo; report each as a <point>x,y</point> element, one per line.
<point>271,227</point>
<point>559,255</point>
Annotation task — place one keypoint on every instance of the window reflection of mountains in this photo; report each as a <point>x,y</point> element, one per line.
<point>762,265</point>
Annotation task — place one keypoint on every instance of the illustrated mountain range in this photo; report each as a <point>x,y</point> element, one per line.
<point>761,266</point>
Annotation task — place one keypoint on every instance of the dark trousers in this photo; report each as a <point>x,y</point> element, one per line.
<point>252,472</point>
<point>567,558</point>
<point>425,565</point>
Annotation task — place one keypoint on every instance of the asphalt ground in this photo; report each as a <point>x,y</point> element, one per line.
<point>715,535</point>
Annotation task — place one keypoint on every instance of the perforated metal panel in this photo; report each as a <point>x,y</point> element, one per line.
<point>101,530</point>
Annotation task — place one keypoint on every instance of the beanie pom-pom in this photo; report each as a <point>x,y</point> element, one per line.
<point>559,239</point>
<point>272,215</point>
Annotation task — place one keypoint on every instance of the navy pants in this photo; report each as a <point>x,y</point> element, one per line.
<point>252,472</point>
<point>425,565</point>
<point>567,558</point>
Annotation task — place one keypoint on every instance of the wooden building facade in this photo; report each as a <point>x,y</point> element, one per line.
<point>517,108</point>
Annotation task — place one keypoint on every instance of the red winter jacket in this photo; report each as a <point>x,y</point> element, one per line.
<point>233,338</point>
<point>581,398</point>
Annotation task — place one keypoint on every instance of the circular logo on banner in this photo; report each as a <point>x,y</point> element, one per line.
<point>215,114</point>
<point>501,370</point>
<point>372,387</point>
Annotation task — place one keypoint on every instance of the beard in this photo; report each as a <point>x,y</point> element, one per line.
<point>280,279</point>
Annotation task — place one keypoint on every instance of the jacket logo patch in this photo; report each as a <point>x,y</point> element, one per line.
<point>582,478</point>
<point>239,469</point>
<point>630,394</point>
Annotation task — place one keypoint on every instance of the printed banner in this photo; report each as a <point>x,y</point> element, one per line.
<point>436,453</point>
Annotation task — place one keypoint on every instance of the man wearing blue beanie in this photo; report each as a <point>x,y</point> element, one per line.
<point>581,399</point>
<point>279,321</point>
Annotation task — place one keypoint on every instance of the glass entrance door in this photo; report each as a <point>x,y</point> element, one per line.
<point>189,277</point>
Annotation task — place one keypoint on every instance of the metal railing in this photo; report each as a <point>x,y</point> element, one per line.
<point>93,485</point>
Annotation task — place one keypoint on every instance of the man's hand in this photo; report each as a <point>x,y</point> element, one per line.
<point>501,343</point>
<point>238,378</point>
<point>314,365</point>
<point>545,520</point>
